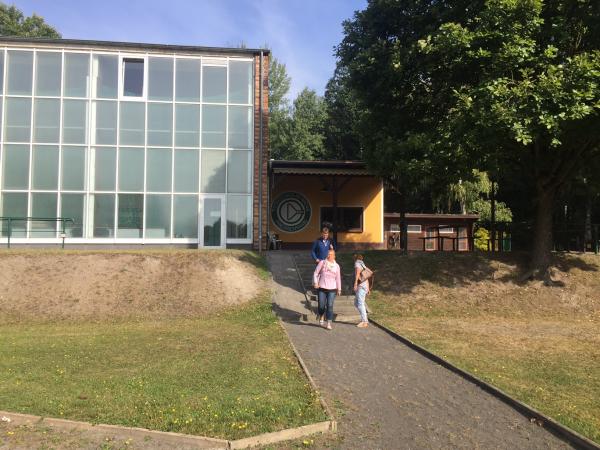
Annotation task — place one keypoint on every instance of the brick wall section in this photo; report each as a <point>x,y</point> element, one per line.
<point>258,164</point>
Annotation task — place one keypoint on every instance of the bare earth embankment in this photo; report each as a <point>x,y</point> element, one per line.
<point>106,285</point>
<point>539,343</point>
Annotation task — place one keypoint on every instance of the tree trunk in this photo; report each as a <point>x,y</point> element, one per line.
<point>542,235</point>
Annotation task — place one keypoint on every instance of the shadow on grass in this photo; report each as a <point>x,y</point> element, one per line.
<point>396,273</point>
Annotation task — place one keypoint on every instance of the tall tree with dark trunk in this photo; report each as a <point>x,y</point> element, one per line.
<point>506,86</point>
<point>14,23</point>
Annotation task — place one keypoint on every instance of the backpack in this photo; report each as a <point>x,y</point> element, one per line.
<point>365,273</point>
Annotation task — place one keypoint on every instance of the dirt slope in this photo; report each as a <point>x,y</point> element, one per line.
<point>109,285</point>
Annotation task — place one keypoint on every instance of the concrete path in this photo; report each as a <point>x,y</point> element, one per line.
<point>390,397</point>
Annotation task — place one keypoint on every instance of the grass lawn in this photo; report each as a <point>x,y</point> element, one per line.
<point>540,344</point>
<point>230,374</point>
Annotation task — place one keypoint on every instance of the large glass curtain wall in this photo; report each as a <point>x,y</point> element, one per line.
<point>124,144</point>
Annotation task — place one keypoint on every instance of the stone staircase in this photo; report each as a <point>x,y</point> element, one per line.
<point>344,310</point>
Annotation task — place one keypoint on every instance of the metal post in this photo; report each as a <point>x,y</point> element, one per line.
<point>9,230</point>
<point>260,153</point>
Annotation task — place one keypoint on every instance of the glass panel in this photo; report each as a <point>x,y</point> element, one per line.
<point>185,216</point>
<point>1,71</point>
<point>214,84</point>
<point>106,68</point>
<point>240,82</point>
<point>131,213</point>
<point>160,124</point>
<point>48,73</point>
<point>43,205</point>
<point>238,172</point>
<point>187,83</point>
<point>187,125</point>
<point>20,72</point>
<point>105,168</point>
<point>73,168</point>
<point>212,222</point>
<point>77,68</point>
<point>158,170</point>
<point>74,120</point>
<point>213,171</point>
<point>131,169</point>
<point>71,206</point>
<point>186,170</point>
<point>239,211</point>
<point>15,173</point>
<point>106,123</point>
<point>0,109</point>
<point>104,215</point>
<point>240,124</point>
<point>133,77</point>
<point>46,120</point>
<point>213,126</point>
<point>45,167</point>
<point>160,78</point>
<point>131,130</point>
<point>14,204</point>
<point>158,216</point>
<point>17,124</point>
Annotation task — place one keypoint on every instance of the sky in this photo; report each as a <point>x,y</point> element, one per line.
<point>300,33</point>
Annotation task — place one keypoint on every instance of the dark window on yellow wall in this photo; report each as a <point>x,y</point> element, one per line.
<point>350,219</point>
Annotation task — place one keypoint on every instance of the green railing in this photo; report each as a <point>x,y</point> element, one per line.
<point>10,221</point>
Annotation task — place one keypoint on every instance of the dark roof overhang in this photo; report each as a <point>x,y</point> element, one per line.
<point>93,44</point>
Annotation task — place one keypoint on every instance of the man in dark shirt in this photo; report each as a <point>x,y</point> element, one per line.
<point>321,246</point>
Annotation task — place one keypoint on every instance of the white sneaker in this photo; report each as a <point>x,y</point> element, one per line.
<point>328,325</point>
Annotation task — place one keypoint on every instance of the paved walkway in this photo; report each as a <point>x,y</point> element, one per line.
<point>390,396</point>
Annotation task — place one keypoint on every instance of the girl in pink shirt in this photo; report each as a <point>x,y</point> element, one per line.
<point>327,279</point>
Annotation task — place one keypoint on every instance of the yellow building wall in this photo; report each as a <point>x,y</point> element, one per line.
<point>366,192</point>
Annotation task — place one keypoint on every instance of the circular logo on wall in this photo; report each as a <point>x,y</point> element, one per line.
<point>290,212</point>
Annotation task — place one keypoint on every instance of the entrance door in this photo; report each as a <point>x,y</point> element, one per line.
<point>211,221</point>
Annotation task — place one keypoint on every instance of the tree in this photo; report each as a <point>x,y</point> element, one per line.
<point>279,109</point>
<point>306,137</point>
<point>13,23</point>
<point>506,86</point>
<point>342,136</point>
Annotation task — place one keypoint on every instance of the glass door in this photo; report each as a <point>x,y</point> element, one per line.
<point>211,223</point>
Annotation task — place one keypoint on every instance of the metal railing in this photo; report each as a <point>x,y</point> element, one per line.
<point>10,221</point>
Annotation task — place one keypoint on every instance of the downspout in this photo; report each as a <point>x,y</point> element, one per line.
<point>260,154</point>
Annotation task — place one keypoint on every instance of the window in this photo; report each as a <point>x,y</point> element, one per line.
<point>20,72</point>
<point>446,230</point>
<point>240,124</point>
<point>43,205</point>
<point>430,241</point>
<point>48,70</point>
<point>187,125</point>
<point>45,167</point>
<point>239,166</point>
<point>160,78</point>
<point>158,216</point>
<point>132,123</point>
<point>187,80</point>
<point>105,126</point>
<point>186,170</point>
<point>213,171</point>
<point>77,67</point>
<point>395,227</point>
<point>15,167</point>
<point>105,165</point>
<point>104,215</point>
<point>160,124</point>
<point>106,69</point>
<point>17,124</point>
<point>46,120</point>
<point>131,169</point>
<point>73,168</point>
<point>213,126</point>
<point>350,219</point>
<point>14,204</point>
<point>185,216</point>
<point>239,212</point>
<point>74,121</point>
<point>133,77</point>
<point>158,170</point>
<point>71,206</point>
<point>214,84</point>
<point>413,228</point>
<point>240,82</point>
<point>131,212</point>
